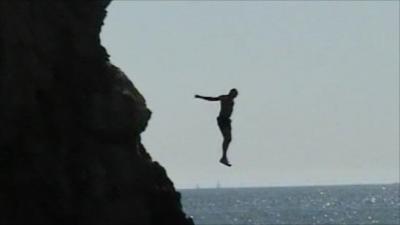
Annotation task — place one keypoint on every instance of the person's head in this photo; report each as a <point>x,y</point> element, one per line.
<point>233,92</point>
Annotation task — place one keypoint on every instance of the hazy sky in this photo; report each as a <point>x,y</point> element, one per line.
<point>318,87</point>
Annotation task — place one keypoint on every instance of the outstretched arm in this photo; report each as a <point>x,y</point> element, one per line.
<point>207,98</point>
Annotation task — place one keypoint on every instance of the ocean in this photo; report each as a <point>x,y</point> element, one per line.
<point>352,204</point>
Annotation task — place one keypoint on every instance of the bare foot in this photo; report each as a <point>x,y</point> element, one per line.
<point>225,162</point>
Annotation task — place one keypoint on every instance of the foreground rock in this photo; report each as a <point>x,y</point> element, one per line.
<point>70,150</point>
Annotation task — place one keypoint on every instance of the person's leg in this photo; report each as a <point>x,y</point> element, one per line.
<point>226,133</point>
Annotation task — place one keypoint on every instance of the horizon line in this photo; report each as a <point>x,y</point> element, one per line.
<point>286,186</point>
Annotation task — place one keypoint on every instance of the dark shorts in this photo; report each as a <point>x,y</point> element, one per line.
<point>224,122</point>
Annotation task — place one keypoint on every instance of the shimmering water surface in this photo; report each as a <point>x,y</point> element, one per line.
<point>358,204</point>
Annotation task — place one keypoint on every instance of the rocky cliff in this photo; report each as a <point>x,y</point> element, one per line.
<point>70,149</point>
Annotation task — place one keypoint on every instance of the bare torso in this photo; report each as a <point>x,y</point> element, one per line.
<point>226,106</point>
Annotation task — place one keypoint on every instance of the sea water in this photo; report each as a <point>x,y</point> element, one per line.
<point>358,204</point>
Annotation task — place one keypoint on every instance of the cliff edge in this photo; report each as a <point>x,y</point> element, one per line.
<point>70,149</point>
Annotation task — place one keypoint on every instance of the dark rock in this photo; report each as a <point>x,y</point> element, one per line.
<point>70,149</point>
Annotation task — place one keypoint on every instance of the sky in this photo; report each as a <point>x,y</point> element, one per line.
<point>318,88</point>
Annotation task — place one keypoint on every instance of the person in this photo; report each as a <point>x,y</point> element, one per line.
<point>223,119</point>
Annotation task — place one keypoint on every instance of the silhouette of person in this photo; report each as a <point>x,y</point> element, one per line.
<point>224,121</point>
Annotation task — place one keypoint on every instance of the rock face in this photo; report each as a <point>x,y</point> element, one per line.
<point>70,150</point>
